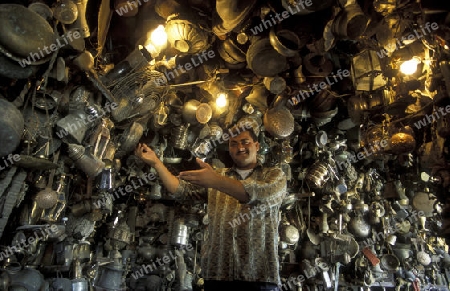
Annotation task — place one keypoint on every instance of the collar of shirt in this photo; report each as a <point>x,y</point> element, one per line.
<point>232,171</point>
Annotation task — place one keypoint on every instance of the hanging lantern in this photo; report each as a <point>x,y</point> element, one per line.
<point>366,71</point>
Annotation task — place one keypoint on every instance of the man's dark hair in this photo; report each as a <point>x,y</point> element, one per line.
<point>235,130</point>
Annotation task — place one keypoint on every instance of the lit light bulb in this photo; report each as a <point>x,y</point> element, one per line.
<point>159,36</point>
<point>221,100</point>
<point>157,41</point>
<point>410,67</point>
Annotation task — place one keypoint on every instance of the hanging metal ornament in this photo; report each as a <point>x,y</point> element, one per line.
<point>186,36</point>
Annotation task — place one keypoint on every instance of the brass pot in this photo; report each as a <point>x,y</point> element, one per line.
<point>356,106</point>
<point>390,262</point>
<point>264,60</point>
<point>289,234</point>
<point>179,137</point>
<point>231,54</point>
<point>66,11</point>
<point>195,112</point>
<point>279,121</point>
<point>402,141</point>
<point>350,23</point>
<point>359,226</point>
<point>85,161</point>
<point>130,138</point>
<point>317,175</point>
<point>373,140</point>
<point>285,42</point>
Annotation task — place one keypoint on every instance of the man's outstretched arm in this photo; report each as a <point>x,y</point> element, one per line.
<point>169,181</point>
<point>209,178</point>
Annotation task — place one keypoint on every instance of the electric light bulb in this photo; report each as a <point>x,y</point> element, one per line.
<point>157,41</point>
<point>409,67</point>
<point>221,100</point>
<point>159,36</point>
<point>151,49</point>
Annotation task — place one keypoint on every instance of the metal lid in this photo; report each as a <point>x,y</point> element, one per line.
<point>24,31</point>
<point>203,113</point>
<point>264,60</point>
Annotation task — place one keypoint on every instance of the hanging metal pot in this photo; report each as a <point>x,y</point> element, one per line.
<point>350,23</point>
<point>389,262</point>
<point>279,121</point>
<point>110,278</point>
<point>276,85</point>
<point>402,251</point>
<point>229,14</point>
<point>356,106</point>
<point>424,202</point>
<point>230,52</point>
<point>26,279</point>
<point>80,23</point>
<point>317,175</point>
<point>42,9</point>
<point>61,284</point>
<point>264,60</point>
<point>195,112</point>
<point>289,234</point>
<point>285,42</point>
<point>165,8</point>
<point>359,227</point>
<point>189,111</point>
<point>179,137</point>
<point>258,97</point>
<point>86,162</point>
<point>374,138</point>
<point>130,139</point>
<point>323,101</point>
<point>317,65</point>
<point>180,234</point>
<point>322,118</point>
<point>402,141</point>
<point>66,12</point>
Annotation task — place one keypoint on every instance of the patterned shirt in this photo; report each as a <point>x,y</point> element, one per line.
<point>242,238</point>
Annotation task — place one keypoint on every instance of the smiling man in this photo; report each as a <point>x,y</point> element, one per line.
<point>243,256</point>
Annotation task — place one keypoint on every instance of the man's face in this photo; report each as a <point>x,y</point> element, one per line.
<point>243,150</point>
